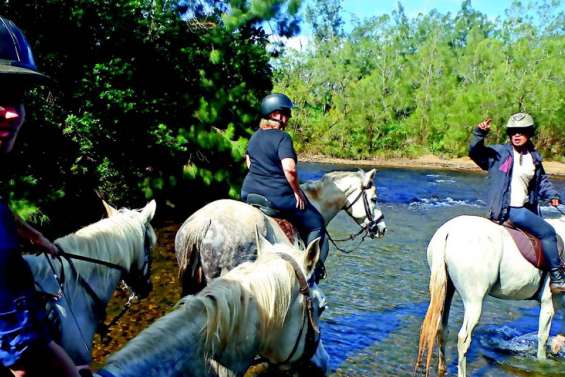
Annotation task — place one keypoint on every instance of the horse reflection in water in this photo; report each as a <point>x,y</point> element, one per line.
<point>477,257</point>
<point>221,235</point>
<point>124,240</point>
<point>263,308</point>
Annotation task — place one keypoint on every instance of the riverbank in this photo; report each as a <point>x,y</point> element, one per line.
<point>553,168</point>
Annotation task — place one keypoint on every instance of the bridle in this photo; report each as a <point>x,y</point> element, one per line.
<point>313,331</point>
<point>367,230</point>
<point>134,281</point>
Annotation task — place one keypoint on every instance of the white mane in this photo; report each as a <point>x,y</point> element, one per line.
<point>113,239</point>
<point>218,321</point>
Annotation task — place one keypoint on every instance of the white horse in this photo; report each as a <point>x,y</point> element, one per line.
<point>125,240</point>
<point>477,258</point>
<point>221,235</point>
<point>263,307</point>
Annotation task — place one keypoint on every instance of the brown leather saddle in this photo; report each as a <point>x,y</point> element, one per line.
<point>265,205</point>
<point>530,246</point>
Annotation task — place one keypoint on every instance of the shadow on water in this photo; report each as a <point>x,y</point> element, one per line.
<point>346,336</point>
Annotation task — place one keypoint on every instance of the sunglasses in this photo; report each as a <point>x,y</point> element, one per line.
<point>526,131</point>
<point>12,96</point>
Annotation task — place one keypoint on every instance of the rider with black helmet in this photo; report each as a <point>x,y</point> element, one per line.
<point>271,160</point>
<point>517,182</point>
<point>25,345</point>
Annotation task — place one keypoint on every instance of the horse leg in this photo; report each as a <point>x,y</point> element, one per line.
<point>545,316</point>
<point>472,314</point>
<point>442,333</point>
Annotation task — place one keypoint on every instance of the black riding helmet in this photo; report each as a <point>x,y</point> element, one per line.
<point>16,59</point>
<point>275,102</point>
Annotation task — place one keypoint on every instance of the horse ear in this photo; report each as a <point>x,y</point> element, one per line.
<point>261,242</point>
<point>369,178</point>
<point>311,256</point>
<point>110,211</point>
<point>149,210</point>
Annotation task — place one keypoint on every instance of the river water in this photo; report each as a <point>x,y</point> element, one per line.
<point>378,293</point>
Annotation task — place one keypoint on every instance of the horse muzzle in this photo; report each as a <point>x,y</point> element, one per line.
<point>376,229</point>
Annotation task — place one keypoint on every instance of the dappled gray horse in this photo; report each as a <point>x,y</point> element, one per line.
<point>221,235</point>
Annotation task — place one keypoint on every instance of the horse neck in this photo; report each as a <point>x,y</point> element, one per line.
<point>327,199</point>
<point>101,244</point>
<point>175,345</point>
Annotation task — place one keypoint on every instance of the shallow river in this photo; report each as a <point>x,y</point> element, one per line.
<point>378,293</point>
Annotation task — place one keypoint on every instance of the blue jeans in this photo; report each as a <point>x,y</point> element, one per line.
<point>525,219</point>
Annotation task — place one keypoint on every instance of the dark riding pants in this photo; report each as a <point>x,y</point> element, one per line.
<point>525,219</point>
<point>310,225</point>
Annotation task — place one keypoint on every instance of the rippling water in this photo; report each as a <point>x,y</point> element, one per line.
<point>378,294</point>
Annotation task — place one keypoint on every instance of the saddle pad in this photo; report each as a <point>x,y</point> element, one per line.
<point>531,246</point>
<point>288,229</point>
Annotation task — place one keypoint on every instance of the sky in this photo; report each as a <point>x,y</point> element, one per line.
<point>368,8</point>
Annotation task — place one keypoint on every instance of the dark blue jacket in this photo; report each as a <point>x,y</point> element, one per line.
<point>498,160</point>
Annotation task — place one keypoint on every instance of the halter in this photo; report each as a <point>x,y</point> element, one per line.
<point>368,229</point>
<point>313,332</point>
<point>130,281</point>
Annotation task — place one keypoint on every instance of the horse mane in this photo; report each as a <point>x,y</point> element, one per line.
<point>224,311</point>
<point>107,239</point>
<point>269,281</point>
<point>314,187</point>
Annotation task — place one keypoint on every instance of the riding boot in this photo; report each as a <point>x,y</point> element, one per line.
<point>319,271</point>
<point>557,280</point>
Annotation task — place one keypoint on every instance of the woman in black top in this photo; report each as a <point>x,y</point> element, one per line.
<point>271,160</point>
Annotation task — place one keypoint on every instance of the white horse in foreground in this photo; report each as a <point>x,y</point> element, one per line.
<point>477,258</point>
<point>124,239</point>
<point>264,308</point>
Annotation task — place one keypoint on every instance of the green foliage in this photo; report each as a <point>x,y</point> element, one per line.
<point>152,99</point>
<point>402,87</point>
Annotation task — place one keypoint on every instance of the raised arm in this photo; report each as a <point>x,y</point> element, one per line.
<point>478,152</point>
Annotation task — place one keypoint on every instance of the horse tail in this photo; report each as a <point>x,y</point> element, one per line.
<point>438,291</point>
<point>187,249</point>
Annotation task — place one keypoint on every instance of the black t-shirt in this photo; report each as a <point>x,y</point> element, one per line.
<point>266,177</point>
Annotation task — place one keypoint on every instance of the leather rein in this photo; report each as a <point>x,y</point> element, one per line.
<point>313,331</point>
<point>99,306</point>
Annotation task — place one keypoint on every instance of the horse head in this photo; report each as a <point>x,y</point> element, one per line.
<point>361,203</point>
<point>138,277</point>
<point>297,341</point>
